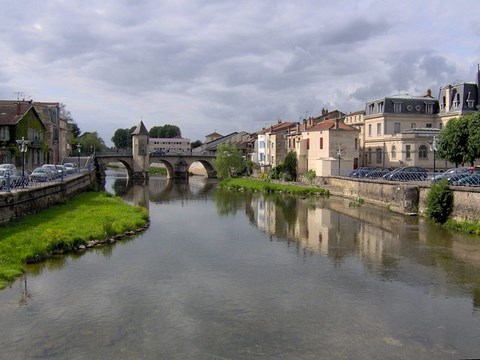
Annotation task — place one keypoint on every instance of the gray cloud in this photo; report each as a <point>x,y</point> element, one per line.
<point>225,64</point>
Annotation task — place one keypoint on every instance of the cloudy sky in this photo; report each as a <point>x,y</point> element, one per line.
<point>226,65</point>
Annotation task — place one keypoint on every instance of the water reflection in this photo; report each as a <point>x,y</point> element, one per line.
<point>385,242</point>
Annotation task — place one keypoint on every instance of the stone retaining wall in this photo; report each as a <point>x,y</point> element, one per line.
<point>401,197</point>
<point>20,202</point>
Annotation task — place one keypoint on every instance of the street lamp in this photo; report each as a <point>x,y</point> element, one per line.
<point>79,148</point>
<point>434,148</point>
<point>23,149</point>
<point>339,154</point>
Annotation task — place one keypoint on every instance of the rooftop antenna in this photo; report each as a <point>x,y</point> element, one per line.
<point>19,94</point>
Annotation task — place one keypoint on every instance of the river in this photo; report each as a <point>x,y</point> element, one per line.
<point>222,275</point>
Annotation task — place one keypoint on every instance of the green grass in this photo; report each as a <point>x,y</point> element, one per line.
<point>153,170</point>
<point>268,187</point>
<point>468,227</point>
<point>89,216</point>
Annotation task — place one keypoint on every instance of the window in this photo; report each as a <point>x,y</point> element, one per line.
<point>378,154</point>
<point>396,128</point>
<point>371,108</point>
<point>456,102</point>
<point>369,159</point>
<point>394,152</point>
<point>429,108</point>
<point>413,125</point>
<point>308,144</point>
<point>261,144</point>
<point>369,129</point>
<point>356,144</point>
<point>379,129</point>
<point>4,134</point>
<point>397,107</point>
<point>407,152</point>
<point>428,126</point>
<point>422,152</point>
<point>380,107</point>
<point>321,143</point>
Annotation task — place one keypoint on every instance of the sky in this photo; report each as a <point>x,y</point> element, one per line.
<point>225,66</point>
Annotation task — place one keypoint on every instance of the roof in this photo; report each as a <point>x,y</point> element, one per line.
<point>282,126</point>
<point>331,124</point>
<point>140,129</point>
<point>214,134</point>
<point>11,114</point>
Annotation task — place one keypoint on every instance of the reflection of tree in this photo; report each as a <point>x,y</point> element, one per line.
<point>121,186</point>
<point>25,294</point>
<point>288,206</point>
<point>228,202</point>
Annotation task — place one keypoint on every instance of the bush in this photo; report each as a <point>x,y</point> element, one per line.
<point>310,175</point>
<point>439,202</point>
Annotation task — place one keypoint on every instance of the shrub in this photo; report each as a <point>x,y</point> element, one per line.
<point>310,175</point>
<point>439,202</point>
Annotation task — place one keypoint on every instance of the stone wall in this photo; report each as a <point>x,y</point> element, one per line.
<point>20,202</point>
<point>404,198</point>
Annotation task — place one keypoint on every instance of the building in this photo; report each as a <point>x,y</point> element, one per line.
<point>176,146</point>
<point>328,148</point>
<point>19,122</point>
<point>56,140</point>
<point>275,148</point>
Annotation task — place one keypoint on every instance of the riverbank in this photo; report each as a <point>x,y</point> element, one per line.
<point>85,220</point>
<point>269,186</point>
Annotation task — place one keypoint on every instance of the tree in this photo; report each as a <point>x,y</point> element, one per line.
<point>473,142</point>
<point>290,165</point>
<point>90,141</point>
<point>453,139</point>
<point>122,139</point>
<point>196,143</point>
<point>229,161</point>
<point>458,141</point>
<point>165,131</point>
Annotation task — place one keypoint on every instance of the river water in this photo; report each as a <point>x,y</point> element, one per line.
<point>222,275</point>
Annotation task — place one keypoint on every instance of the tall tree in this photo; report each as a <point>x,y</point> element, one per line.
<point>453,141</point>
<point>473,142</point>
<point>290,165</point>
<point>229,161</point>
<point>90,141</point>
<point>196,143</point>
<point>165,131</point>
<point>122,139</point>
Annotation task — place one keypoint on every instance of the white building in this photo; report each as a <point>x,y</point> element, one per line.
<point>170,145</point>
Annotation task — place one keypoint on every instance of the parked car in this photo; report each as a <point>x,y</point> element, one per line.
<point>407,173</point>
<point>8,166</point>
<point>53,169</point>
<point>70,167</point>
<point>450,172</point>
<point>41,174</point>
<point>61,170</point>
<point>360,172</point>
<point>157,152</point>
<point>4,173</point>
<point>471,180</point>
<point>377,173</point>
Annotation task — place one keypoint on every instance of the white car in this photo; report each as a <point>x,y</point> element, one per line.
<point>8,167</point>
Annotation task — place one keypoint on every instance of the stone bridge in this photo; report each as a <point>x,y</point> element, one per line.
<point>177,165</point>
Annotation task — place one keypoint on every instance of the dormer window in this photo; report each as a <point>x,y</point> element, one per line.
<point>371,108</point>
<point>456,102</point>
<point>470,101</point>
<point>397,107</point>
<point>380,107</point>
<point>428,108</point>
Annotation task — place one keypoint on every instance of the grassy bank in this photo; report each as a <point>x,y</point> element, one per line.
<point>267,186</point>
<point>468,227</point>
<point>89,216</point>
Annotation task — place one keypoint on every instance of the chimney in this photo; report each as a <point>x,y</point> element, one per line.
<point>19,107</point>
<point>429,93</point>
<point>448,98</point>
<point>305,124</point>
<point>337,121</point>
<point>298,127</point>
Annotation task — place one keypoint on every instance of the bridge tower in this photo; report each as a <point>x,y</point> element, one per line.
<point>140,154</point>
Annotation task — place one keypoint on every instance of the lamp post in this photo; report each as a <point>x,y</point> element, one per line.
<point>23,149</point>
<point>434,148</point>
<point>339,154</point>
<point>79,148</point>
